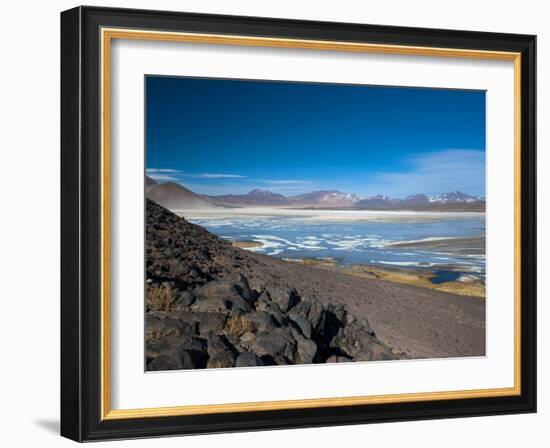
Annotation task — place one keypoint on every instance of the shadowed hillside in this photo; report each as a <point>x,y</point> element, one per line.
<point>176,197</point>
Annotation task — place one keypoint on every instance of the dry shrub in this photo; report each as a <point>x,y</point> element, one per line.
<point>160,298</point>
<point>238,325</point>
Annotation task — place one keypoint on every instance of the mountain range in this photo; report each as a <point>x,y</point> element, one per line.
<point>331,199</point>
<point>176,197</point>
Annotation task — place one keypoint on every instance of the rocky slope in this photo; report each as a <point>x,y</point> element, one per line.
<point>209,304</point>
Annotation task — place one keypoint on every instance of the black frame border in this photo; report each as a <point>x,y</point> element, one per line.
<point>81,223</point>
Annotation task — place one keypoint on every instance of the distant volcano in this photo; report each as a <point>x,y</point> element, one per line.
<point>174,196</point>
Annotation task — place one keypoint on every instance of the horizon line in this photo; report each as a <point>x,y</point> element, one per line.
<point>359,196</point>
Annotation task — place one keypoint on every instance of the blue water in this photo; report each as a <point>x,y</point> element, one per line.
<point>445,276</point>
<point>356,241</point>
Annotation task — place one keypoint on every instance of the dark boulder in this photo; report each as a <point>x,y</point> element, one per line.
<point>306,348</point>
<point>303,324</point>
<point>261,321</point>
<point>282,295</point>
<point>357,341</point>
<point>157,347</point>
<point>240,283</point>
<point>221,360</point>
<point>248,359</point>
<point>220,352</point>
<point>220,295</point>
<point>206,322</point>
<point>339,311</point>
<point>234,304</point>
<point>156,327</point>
<point>183,300</point>
<point>196,348</point>
<point>173,360</point>
<point>265,304</point>
<point>276,343</point>
<point>312,311</point>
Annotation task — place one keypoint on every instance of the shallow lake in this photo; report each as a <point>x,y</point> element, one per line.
<point>355,242</point>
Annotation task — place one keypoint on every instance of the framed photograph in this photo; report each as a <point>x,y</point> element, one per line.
<point>276,224</point>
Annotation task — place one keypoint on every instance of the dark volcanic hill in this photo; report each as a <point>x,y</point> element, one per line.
<point>173,196</point>
<point>209,304</point>
<point>149,182</point>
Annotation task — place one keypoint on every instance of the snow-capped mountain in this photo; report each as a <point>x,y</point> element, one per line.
<point>326,198</point>
<point>447,201</point>
<point>454,197</point>
<point>455,200</point>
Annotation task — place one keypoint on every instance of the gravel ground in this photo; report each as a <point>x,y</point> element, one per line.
<point>420,322</point>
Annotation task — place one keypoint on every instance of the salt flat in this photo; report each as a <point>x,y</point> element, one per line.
<point>324,215</point>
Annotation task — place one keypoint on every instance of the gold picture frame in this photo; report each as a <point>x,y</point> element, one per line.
<point>107,30</point>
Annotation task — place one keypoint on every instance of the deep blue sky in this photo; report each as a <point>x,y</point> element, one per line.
<point>230,136</point>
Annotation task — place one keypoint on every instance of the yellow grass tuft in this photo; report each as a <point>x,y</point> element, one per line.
<point>238,326</point>
<point>160,298</point>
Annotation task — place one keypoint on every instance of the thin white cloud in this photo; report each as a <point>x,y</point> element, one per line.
<point>163,174</point>
<point>161,170</point>
<point>429,173</point>
<point>163,178</point>
<point>434,173</point>
<point>169,174</point>
<point>218,176</point>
